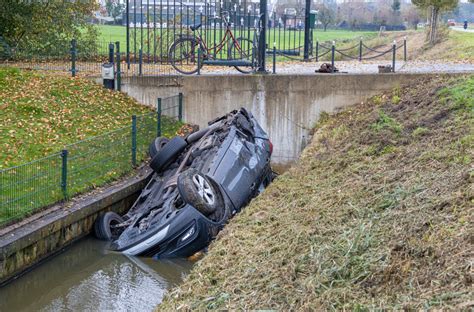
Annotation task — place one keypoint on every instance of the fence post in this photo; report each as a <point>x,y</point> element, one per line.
<point>360,49</point>
<point>127,20</point>
<point>140,61</point>
<point>262,41</point>
<point>306,29</point>
<point>317,51</point>
<point>119,73</point>
<point>405,48</point>
<point>111,52</point>
<point>274,57</point>
<point>199,61</point>
<point>333,51</point>
<point>134,140</point>
<point>64,154</point>
<point>180,106</point>
<point>394,51</point>
<point>158,118</point>
<point>73,57</point>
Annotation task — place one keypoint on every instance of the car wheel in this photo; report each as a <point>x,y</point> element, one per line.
<point>167,154</point>
<point>103,227</point>
<point>157,145</point>
<point>199,191</point>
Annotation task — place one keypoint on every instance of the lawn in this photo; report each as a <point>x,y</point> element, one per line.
<point>44,114</point>
<point>284,40</point>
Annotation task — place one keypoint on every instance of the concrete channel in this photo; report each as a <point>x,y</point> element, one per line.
<point>287,106</point>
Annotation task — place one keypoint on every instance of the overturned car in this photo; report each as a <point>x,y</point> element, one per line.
<point>199,182</point>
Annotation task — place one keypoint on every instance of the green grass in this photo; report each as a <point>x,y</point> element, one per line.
<point>376,215</point>
<point>284,40</point>
<point>44,114</point>
<point>463,44</point>
<point>109,33</point>
<point>454,46</point>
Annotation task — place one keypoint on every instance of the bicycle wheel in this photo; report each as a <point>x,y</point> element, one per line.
<point>243,52</point>
<point>183,55</point>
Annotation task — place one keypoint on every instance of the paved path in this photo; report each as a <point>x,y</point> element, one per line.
<point>355,67</point>
<point>469,29</point>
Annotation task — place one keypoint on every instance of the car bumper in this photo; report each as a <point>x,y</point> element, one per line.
<point>188,232</point>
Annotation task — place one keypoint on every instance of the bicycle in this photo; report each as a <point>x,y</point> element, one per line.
<point>188,53</point>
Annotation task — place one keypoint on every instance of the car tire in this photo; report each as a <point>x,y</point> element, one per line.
<point>168,154</point>
<point>156,146</point>
<point>102,226</point>
<point>200,192</point>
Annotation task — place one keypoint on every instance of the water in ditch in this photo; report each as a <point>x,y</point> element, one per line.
<point>86,277</point>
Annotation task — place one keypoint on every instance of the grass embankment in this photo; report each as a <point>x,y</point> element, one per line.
<point>377,214</point>
<point>455,47</point>
<point>43,114</point>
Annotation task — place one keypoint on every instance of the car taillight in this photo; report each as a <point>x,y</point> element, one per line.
<point>271,146</point>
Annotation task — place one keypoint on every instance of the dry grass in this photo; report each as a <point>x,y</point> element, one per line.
<point>376,215</point>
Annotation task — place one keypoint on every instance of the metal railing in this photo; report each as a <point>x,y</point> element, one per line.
<point>358,52</point>
<point>86,164</point>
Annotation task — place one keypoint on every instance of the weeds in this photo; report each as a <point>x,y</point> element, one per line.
<point>371,218</point>
<point>386,122</point>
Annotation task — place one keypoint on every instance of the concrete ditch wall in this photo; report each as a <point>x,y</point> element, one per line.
<point>27,243</point>
<point>287,106</point>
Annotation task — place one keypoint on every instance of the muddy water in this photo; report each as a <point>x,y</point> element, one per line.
<point>86,277</point>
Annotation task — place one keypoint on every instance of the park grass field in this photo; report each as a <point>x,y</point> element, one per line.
<point>284,40</point>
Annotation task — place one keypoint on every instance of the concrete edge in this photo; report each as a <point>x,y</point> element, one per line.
<point>21,237</point>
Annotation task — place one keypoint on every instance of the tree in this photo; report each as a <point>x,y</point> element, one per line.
<point>114,8</point>
<point>435,7</point>
<point>326,15</point>
<point>45,25</point>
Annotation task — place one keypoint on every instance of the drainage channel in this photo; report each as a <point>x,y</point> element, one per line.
<point>87,277</point>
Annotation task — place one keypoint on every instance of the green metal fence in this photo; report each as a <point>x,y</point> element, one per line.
<point>85,164</point>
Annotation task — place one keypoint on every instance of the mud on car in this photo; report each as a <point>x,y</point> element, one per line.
<point>199,182</point>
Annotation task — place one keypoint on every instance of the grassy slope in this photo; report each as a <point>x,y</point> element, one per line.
<point>458,46</point>
<point>377,213</point>
<point>41,113</point>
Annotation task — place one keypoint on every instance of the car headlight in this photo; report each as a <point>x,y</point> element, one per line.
<point>188,233</point>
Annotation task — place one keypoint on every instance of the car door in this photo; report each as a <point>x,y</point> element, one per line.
<point>239,168</point>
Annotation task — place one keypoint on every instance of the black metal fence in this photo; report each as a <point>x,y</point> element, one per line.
<point>153,28</point>
<point>86,164</point>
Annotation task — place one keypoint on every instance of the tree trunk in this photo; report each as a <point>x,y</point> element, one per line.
<point>434,24</point>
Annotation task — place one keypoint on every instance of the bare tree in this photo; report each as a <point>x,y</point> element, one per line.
<point>326,15</point>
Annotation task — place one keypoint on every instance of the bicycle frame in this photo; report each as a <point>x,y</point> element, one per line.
<point>218,47</point>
